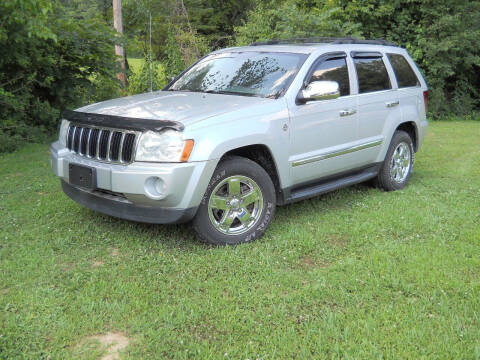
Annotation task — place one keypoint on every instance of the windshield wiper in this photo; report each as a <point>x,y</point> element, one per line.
<point>226,92</point>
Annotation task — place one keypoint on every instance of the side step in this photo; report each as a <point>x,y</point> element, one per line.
<point>329,184</point>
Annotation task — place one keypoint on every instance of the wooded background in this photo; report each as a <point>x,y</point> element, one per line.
<point>59,54</point>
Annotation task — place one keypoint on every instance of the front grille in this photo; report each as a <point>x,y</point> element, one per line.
<point>111,145</point>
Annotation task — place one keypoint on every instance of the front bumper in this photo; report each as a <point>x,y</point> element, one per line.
<point>125,191</point>
<point>119,208</point>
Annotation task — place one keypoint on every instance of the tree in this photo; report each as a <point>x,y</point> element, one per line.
<point>50,62</point>
<point>119,50</point>
<point>441,36</point>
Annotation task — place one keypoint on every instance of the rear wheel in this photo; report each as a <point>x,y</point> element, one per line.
<point>238,205</point>
<point>398,164</point>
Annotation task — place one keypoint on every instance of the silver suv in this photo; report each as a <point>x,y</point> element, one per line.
<point>245,129</point>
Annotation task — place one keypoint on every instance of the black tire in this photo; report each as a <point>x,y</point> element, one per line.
<point>235,166</point>
<point>386,179</point>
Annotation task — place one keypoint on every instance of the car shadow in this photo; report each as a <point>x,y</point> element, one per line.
<point>183,236</point>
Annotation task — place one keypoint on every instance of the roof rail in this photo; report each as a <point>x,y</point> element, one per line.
<point>329,40</point>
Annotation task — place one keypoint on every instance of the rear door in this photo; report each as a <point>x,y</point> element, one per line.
<point>377,100</point>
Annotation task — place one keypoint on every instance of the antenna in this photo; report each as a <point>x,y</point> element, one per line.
<point>151,58</point>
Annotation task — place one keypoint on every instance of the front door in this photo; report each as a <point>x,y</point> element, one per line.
<point>322,130</point>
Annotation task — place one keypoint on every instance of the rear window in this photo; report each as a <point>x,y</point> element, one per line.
<point>372,74</point>
<point>403,71</point>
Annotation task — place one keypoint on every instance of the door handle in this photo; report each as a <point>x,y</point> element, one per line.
<point>392,104</point>
<point>347,112</point>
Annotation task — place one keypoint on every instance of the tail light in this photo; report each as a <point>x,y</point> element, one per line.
<point>425,100</point>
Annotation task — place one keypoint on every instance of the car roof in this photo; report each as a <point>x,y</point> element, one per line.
<point>309,48</point>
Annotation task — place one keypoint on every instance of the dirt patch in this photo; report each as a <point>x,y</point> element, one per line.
<point>4,291</point>
<point>309,263</point>
<point>111,344</point>
<point>67,267</point>
<point>207,332</point>
<point>338,241</point>
<point>114,252</point>
<point>97,263</point>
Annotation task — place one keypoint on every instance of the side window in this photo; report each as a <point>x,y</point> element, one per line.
<point>333,69</point>
<point>403,71</point>
<point>372,74</point>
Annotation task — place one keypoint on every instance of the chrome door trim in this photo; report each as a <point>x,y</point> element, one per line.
<point>337,153</point>
<point>347,112</point>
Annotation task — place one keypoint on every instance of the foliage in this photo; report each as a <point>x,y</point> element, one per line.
<point>50,62</point>
<point>355,274</point>
<point>139,78</point>
<point>287,20</point>
<point>216,19</point>
<point>59,53</point>
<point>442,37</point>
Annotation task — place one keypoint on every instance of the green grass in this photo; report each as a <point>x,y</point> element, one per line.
<point>137,63</point>
<point>358,273</point>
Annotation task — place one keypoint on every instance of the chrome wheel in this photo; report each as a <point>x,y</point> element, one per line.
<point>401,162</point>
<point>235,205</point>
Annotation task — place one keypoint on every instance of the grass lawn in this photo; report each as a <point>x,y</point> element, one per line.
<point>137,63</point>
<point>357,273</point>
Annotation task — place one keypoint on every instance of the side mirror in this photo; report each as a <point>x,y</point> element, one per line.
<point>319,90</point>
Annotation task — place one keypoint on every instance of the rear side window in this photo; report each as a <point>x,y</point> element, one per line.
<point>333,69</point>
<point>372,74</point>
<point>403,71</point>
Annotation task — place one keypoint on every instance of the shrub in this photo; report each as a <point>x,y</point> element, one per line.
<point>50,61</point>
<point>139,79</point>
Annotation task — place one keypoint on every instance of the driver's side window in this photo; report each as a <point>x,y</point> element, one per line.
<point>333,69</point>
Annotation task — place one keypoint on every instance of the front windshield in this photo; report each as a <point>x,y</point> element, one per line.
<point>242,73</point>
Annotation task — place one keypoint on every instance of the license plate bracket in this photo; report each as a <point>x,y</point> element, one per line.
<point>83,176</point>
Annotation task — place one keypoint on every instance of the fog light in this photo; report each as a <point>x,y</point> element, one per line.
<point>155,188</point>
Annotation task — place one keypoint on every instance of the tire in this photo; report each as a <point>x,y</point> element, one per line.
<point>397,167</point>
<point>238,205</point>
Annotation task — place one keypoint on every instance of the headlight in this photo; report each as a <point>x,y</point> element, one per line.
<point>167,146</point>
<point>62,135</point>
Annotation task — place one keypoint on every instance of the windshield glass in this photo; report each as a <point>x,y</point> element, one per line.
<point>242,73</point>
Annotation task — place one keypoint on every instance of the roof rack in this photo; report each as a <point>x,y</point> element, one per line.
<point>329,40</point>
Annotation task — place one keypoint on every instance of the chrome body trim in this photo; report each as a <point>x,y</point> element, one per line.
<point>337,153</point>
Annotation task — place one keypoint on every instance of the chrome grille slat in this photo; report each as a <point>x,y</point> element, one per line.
<point>104,141</point>
<point>87,153</point>
<point>102,144</point>
<point>120,152</point>
<point>108,145</point>
<point>97,153</point>
<point>76,139</point>
<point>83,141</point>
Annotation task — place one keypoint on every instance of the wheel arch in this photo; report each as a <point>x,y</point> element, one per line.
<point>262,155</point>
<point>411,129</point>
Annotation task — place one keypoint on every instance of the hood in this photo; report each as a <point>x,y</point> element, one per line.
<point>184,107</point>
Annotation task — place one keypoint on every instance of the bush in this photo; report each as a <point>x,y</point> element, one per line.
<point>50,61</point>
<point>441,36</point>
<point>139,79</point>
<point>288,20</point>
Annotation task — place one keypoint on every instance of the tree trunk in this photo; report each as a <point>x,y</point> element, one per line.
<point>119,51</point>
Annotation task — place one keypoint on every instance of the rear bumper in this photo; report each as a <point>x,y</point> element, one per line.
<point>122,208</point>
<point>422,132</point>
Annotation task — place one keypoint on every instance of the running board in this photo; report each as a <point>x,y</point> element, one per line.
<point>331,184</point>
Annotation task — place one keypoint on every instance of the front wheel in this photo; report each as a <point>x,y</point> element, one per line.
<point>238,205</point>
<point>398,164</point>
